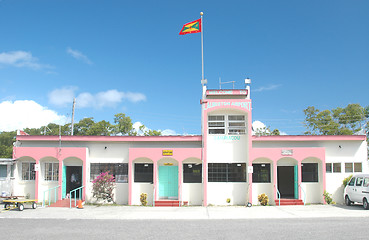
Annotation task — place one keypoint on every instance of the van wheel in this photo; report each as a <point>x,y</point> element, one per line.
<point>365,204</point>
<point>347,201</point>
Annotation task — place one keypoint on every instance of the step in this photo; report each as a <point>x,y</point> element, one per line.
<point>285,202</point>
<point>63,203</point>
<point>170,203</point>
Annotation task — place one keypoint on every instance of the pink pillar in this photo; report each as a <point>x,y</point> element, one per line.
<point>60,190</point>
<point>37,179</point>
<point>180,171</point>
<point>130,181</point>
<point>299,178</point>
<point>275,179</point>
<point>155,169</point>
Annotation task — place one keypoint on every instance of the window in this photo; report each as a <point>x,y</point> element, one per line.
<point>309,172</point>
<point>353,167</point>
<point>28,171</point>
<point>227,172</point>
<point>336,167</point>
<point>349,167</point>
<point>358,167</point>
<point>366,182</point>
<point>236,124</point>
<point>144,172</point>
<point>352,182</point>
<point>232,125</point>
<point>216,124</point>
<point>359,181</point>
<point>118,170</point>
<point>51,172</point>
<point>3,171</point>
<point>192,173</point>
<point>328,167</point>
<point>261,173</point>
<point>12,170</point>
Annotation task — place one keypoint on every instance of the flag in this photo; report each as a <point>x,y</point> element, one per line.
<point>192,27</point>
<point>22,133</point>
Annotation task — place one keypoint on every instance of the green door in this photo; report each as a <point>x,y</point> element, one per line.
<point>64,181</point>
<point>168,182</point>
<point>296,183</point>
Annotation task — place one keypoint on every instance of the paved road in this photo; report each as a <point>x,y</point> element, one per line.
<point>308,228</point>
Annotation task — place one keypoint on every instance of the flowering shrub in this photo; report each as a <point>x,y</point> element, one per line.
<point>263,199</point>
<point>103,187</point>
<point>143,199</point>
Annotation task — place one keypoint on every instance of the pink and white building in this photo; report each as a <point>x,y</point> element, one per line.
<point>224,164</point>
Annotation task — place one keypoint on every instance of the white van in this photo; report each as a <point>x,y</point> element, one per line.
<point>357,190</point>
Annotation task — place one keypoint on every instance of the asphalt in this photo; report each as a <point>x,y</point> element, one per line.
<point>213,212</point>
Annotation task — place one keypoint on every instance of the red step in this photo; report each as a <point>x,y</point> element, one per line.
<point>169,203</point>
<point>63,203</point>
<point>285,201</point>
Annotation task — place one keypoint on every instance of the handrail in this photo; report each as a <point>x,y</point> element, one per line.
<point>279,195</point>
<point>304,193</point>
<point>79,195</point>
<point>49,190</point>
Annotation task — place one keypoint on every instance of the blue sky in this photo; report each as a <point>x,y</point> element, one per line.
<point>127,56</point>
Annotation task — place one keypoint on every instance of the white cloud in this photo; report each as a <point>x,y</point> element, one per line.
<point>168,132</point>
<point>27,114</point>
<point>78,55</point>
<point>63,96</point>
<point>267,88</point>
<point>20,59</point>
<point>257,125</point>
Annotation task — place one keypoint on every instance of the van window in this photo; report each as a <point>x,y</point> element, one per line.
<point>366,182</point>
<point>359,181</point>
<point>352,182</point>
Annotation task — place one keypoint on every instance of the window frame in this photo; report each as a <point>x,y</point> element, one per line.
<point>227,125</point>
<point>53,175</point>
<point>257,177</point>
<point>118,170</point>
<point>144,179</point>
<point>215,128</point>
<point>222,172</point>
<point>1,171</point>
<point>30,173</point>
<point>337,164</point>
<point>188,173</point>
<point>312,175</point>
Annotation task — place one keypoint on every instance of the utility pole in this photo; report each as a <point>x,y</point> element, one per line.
<point>74,104</point>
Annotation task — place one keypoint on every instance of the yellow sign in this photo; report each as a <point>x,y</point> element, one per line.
<point>167,152</point>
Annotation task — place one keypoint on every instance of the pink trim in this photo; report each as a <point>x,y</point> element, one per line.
<point>195,138</point>
<point>156,154</point>
<point>227,92</point>
<point>60,154</point>
<point>310,138</point>
<point>299,154</point>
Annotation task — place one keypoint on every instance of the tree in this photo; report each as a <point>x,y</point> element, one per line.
<point>352,119</point>
<point>6,144</point>
<point>82,128</point>
<point>123,124</point>
<point>102,128</point>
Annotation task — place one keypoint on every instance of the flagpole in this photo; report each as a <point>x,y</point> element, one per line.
<point>202,47</point>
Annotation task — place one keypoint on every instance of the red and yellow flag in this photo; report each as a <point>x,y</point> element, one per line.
<point>192,27</point>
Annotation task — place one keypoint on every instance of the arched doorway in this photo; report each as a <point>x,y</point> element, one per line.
<point>287,178</point>
<point>168,179</point>
<point>72,176</point>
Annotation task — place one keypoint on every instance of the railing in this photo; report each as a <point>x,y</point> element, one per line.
<point>279,195</point>
<point>304,193</point>
<point>49,193</point>
<point>75,197</point>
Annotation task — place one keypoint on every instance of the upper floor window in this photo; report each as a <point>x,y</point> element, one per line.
<point>230,124</point>
<point>28,171</point>
<point>51,172</point>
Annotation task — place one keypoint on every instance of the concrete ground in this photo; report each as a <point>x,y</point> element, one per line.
<point>218,212</point>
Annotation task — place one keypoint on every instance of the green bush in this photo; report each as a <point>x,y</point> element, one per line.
<point>346,180</point>
<point>328,198</point>
<point>263,199</point>
<point>143,199</point>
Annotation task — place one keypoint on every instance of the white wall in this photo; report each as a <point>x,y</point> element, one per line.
<point>219,192</point>
<point>260,188</point>
<point>192,192</point>
<point>139,188</point>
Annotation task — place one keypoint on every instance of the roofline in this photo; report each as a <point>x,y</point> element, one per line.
<point>297,138</point>
<point>192,138</point>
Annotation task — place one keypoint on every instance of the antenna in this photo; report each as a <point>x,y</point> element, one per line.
<point>220,83</point>
<point>74,104</point>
